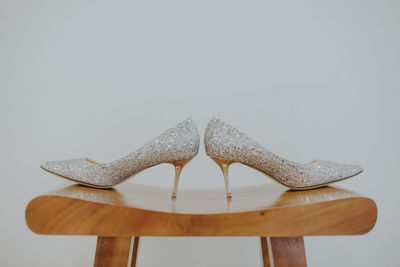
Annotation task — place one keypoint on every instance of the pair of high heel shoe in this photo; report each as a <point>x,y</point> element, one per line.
<point>223,143</point>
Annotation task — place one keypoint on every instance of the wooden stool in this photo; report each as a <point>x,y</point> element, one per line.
<point>279,217</point>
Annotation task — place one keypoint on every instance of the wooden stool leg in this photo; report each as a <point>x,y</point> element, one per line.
<point>112,251</point>
<point>264,252</point>
<point>135,251</point>
<point>288,251</point>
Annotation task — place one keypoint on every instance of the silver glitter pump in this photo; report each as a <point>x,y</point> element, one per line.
<point>227,145</point>
<point>176,146</point>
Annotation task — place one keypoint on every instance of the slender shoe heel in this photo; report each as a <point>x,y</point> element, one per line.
<point>178,164</point>
<point>224,165</point>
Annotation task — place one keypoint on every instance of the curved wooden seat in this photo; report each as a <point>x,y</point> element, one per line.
<point>139,210</point>
<point>278,216</point>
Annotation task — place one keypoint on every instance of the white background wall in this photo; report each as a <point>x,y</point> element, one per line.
<point>306,79</point>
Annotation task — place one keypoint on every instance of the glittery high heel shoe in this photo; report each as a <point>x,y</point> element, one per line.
<point>177,146</point>
<point>227,145</point>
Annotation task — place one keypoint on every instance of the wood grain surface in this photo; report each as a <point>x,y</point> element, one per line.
<point>288,251</point>
<point>112,251</point>
<point>139,210</point>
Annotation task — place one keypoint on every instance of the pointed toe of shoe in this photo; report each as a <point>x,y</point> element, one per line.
<point>347,170</point>
<point>51,166</point>
<point>338,171</point>
<point>72,169</point>
<point>355,169</point>
<point>358,168</point>
<point>44,165</point>
<point>84,171</point>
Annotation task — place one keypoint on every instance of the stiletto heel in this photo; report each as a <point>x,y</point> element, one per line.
<point>178,164</point>
<point>224,165</point>
<point>226,145</point>
<point>177,146</point>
